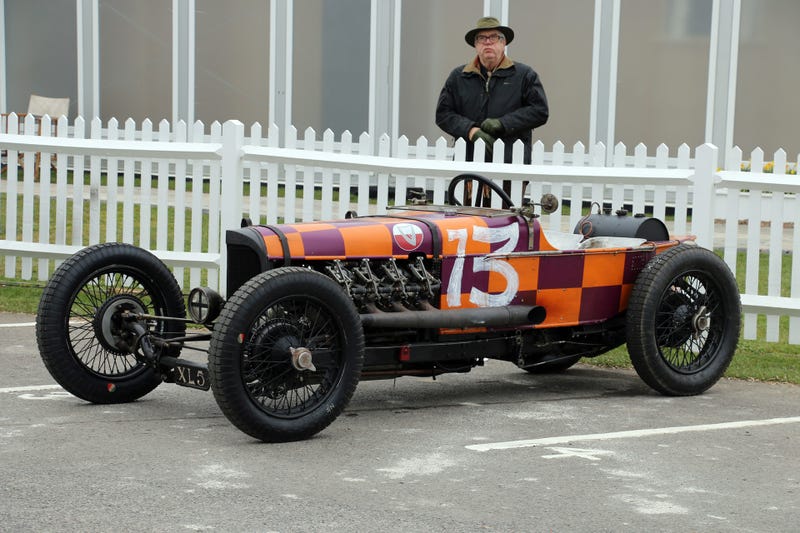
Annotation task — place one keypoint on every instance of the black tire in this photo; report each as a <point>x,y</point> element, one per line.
<point>75,328</point>
<point>683,321</point>
<point>262,388</point>
<point>483,183</point>
<point>555,367</point>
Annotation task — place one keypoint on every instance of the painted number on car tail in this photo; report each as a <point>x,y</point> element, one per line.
<point>509,235</point>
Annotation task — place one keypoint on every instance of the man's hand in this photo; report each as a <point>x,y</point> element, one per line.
<point>488,139</point>
<point>493,127</point>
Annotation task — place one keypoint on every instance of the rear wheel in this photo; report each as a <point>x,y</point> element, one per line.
<point>79,329</point>
<point>286,354</point>
<point>683,321</point>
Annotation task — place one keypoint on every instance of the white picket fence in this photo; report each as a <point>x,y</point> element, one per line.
<point>204,182</point>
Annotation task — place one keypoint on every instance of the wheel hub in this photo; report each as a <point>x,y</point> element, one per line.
<point>278,359</point>
<point>701,321</point>
<point>282,343</point>
<point>109,325</point>
<point>678,323</point>
<point>302,359</point>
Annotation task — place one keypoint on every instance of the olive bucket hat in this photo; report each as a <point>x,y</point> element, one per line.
<point>489,23</point>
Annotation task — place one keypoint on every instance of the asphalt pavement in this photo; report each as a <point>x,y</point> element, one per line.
<point>493,450</point>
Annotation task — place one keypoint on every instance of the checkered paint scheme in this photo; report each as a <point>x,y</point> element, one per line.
<point>485,261</point>
<point>579,287</point>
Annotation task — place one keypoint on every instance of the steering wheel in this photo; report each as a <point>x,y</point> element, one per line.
<point>484,184</point>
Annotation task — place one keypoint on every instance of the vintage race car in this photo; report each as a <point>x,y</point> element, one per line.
<point>424,290</point>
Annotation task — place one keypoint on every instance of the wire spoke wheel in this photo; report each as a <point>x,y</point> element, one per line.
<point>286,354</point>
<point>94,328</point>
<point>277,384</point>
<point>689,324</point>
<point>81,333</point>
<point>683,320</point>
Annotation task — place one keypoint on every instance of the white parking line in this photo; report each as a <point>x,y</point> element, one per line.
<point>18,325</point>
<point>29,388</point>
<point>636,433</point>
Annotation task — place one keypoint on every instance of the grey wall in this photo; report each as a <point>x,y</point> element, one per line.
<point>41,56</point>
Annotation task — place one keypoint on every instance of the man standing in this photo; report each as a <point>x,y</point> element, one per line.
<point>492,97</point>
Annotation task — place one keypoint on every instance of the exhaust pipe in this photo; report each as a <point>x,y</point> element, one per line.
<point>510,315</point>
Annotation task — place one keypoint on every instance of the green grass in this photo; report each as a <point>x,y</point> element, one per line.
<point>754,360</point>
<point>19,297</point>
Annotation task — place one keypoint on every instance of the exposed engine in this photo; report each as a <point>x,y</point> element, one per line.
<point>386,285</point>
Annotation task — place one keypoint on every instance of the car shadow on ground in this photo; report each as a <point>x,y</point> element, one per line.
<point>500,386</point>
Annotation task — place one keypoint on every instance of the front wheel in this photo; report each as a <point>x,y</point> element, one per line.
<point>286,354</point>
<point>79,325</point>
<point>683,321</point>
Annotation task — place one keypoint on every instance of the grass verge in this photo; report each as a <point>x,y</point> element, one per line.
<point>754,361</point>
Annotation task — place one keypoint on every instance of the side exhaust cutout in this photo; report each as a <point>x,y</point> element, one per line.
<point>510,315</point>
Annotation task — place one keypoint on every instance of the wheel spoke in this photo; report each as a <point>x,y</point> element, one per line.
<point>83,318</point>
<point>267,370</point>
<point>684,345</point>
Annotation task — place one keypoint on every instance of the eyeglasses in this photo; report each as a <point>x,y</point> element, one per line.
<point>489,39</point>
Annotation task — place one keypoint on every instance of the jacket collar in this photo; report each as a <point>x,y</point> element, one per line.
<point>475,67</point>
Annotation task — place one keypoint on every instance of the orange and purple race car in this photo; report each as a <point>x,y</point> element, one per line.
<point>424,290</point>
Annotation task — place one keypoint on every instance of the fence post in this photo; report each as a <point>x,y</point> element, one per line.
<point>231,195</point>
<point>705,173</point>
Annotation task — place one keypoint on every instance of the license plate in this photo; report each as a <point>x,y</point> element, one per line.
<point>193,375</point>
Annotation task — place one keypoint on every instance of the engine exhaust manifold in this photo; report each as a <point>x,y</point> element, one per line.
<point>510,315</point>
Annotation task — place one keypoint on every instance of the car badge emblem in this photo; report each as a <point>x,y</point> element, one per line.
<point>407,236</point>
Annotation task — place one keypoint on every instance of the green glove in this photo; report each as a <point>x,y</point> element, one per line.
<point>488,139</point>
<point>493,127</point>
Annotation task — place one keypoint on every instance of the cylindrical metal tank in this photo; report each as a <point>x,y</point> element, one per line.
<point>619,224</point>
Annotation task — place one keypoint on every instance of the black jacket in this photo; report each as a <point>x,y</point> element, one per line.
<point>513,94</point>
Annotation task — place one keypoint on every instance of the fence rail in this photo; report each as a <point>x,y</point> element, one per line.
<point>175,190</point>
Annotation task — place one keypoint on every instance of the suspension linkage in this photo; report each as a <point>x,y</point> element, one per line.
<point>128,315</point>
<point>174,369</point>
